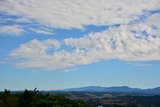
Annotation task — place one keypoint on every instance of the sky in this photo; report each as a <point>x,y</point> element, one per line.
<point>56,44</point>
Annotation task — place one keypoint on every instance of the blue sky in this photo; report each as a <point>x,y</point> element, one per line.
<point>64,44</point>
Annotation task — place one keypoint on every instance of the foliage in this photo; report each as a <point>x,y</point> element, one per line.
<point>35,98</point>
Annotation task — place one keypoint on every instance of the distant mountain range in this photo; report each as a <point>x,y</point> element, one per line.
<point>118,89</point>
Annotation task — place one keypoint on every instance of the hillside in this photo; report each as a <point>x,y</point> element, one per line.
<point>116,89</point>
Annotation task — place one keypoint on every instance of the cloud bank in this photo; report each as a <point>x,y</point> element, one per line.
<point>136,39</point>
<point>77,13</point>
<point>135,42</point>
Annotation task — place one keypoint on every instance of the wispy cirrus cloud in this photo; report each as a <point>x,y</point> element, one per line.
<point>11,30</point>
<point>42,31</point>
<point>141,64</point>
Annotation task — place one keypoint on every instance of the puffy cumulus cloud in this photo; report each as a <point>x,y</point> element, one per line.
<point>46,54</point>
<point>121,44</point>
<point>77,13</point>
<point>10,30</point>
<point>129,42</point>
<point>36,48</point>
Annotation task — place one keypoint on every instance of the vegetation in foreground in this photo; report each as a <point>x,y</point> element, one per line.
<point>34,98</point>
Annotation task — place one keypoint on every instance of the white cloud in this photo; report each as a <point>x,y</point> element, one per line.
<point>11,30</point>
<point>140,64</point>
<point>36,48</point>
<point>41,31</point>
<point>129,42</point>
<point>77,13</point>
<point>70,69</point>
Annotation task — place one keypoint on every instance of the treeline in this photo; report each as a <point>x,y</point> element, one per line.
<point>33,98</point>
